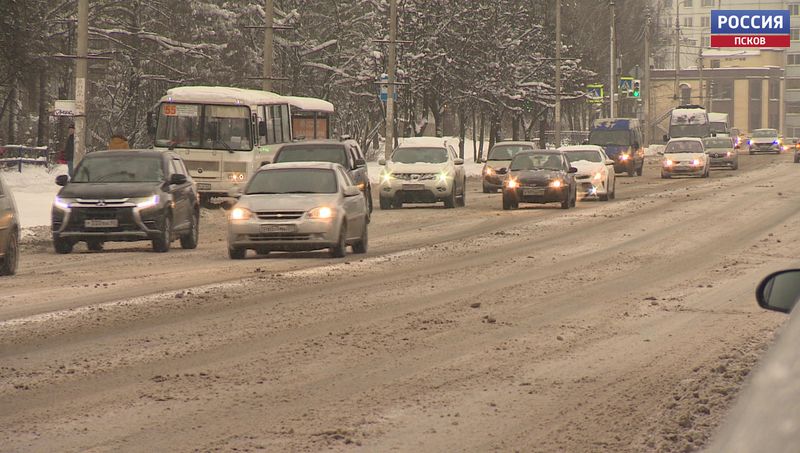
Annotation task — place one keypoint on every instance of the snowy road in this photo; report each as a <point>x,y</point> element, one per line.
<point>622,326</point>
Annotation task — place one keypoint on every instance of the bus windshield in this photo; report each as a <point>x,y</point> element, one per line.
<point>610,137</point>
<point>225,127</point>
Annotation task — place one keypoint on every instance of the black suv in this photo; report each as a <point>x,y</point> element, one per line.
<point>346,153</point>
<point>125,196</point>
<point>9,232</point>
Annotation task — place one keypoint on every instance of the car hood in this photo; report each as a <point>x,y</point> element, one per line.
<point>684,157</point>
<point>288,202</point>
<point>587,168</point>
<point>395,167</point>
<point>498,164</point>
<point>615,150</point>
<point>533,176</point>
<point>109,191</point>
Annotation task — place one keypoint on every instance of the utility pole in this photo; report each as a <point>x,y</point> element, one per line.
<point>677,48</point>
<point>392,73</point>
<point>269,44</point>
<point>81,73</point>
<point>700,65</point>
<point>646,79</point>
<point>558,76</point>
<point>612,86</point>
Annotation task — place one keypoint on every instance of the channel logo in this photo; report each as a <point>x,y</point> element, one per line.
<point>750,28</point>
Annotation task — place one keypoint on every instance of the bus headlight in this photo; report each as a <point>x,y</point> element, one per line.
<point>236,177</point>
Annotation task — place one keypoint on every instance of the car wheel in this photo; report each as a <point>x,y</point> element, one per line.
<point>487,189</point>
<point>237,253</point>
<point>362,244</point>
<point>508,202</point>
<point>450,201</point>
<point>62,246</point>
<point>11,260</point>
<point>567,203</point>
<point>397,203</point>
<point>162,244</point>
<point>640,171</point>
<point>665,175</point>
<point>632,170</point>
<point>613,194</point>
<point>189,240</point>
<point>95,246</point>
<point>735,165</point>
<point>339,250</point>
<point>385,203</point>
<point>797,158</point>
<point>369,199</point>
<point>462,200</point>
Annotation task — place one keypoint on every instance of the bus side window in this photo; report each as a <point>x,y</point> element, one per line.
<point>285,123</point>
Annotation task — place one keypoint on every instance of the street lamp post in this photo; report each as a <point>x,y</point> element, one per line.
<point>557,112</point>
<point>613,75</point>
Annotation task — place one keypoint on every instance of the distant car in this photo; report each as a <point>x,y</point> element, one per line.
<point>686,157</point>
<point>765,141</point>
<point>127,196</point>
<point>9,232</point>
<point>423,170</point>
<point>300,206</point>
<point>797,152</point>
<point>543,176</point>
<point>722,153</point>
<point>346,153</point>
<point>497,161</point>
<point>596,176</point>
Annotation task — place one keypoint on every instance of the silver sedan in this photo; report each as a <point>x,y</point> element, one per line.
<point>299,206</point>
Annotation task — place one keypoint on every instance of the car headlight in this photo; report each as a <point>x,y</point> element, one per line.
<point>669,163</point>
<point>386,177</point>
<point>598,176</point>
<point>62,203</point>
<point>557,184</point>
<point>145,203</point>
<point>624,157</point>
<point>442,177</point>
<point>729,154</point>
<point>489,171</point>
<point>321,213</point>
<point>236,177</point>
<point>241,214</point>
<point>696,163</point>
<point>512,183</point>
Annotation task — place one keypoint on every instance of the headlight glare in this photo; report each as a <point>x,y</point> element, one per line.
<point>442,177</point>
<point>322,213</point>
<point>598,176</point>
<point>512,183</point>
<point>668,163</point>
<point>557,184</point>
<point>489,171</point>
<point>386,177</point>
<point>148,202</point>
<point>241,214</point>
<point>61,203</point>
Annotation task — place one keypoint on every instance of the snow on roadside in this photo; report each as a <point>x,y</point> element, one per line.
<point>33,190</point>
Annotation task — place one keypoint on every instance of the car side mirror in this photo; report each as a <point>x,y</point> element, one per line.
<point>609,162</point>
<point>262,128</point>
<point>177,179</point>
<point>459,161</point>
<point>360,163</point>
<point>780,291</point>
<point>572,170</point>
<point>502,171</point>
<point>151,123</point>
<point>62,180</point>
<point>381,161</point>
<point>352,191</point>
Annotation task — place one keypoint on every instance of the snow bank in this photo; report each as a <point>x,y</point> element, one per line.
<point>34,190</point>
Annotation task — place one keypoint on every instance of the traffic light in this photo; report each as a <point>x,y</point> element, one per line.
<point>637,89</point>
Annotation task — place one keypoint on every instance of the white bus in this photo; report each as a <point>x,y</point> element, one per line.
<point>311,118</point>
<point>222,134</point>
<point>719,124</point>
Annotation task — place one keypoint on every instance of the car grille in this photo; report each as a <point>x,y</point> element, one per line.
<point>279,215</point>
<point>279,237</point>
<point>415,176</point>
<point>124,217</point>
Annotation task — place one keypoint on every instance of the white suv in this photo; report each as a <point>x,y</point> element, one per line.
<point>423,170</point>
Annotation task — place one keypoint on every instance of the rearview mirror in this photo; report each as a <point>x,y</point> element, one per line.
<point>352,191</point>
<point>572,170</point>
<point>780,291</point>
<point>459,161</point>
<point>381,161</point>
<point>609,162</point>
<point>360,163</point>
<point>62,180</point>
<point>177,179</point>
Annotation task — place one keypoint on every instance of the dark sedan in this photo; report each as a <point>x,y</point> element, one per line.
<point>540,177</point>
<point>127,196</point>
<point>9,232</point>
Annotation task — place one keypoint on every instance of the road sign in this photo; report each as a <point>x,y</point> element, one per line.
<point>384,94</point>
<point>65,108</point>
<point>595,93</point>
<point>626,85</point>
<point>750,28</point>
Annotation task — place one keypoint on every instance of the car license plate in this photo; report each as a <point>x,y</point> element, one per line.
<point>538,191</point>
<point>413,186</point>
<point>203,186</point>
<point>101,223</point>
<point>278,228</point>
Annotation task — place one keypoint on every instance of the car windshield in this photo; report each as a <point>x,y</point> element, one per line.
<point>117,169</point>
<point>719,128</point>
<point>767,133</point>
<point>588,156</point>
<point>684,146</point>
<point>420,155</point>
<point>204,127</point>
<point>537,162</point>
<point>311,153</point>
<point>606,137</point>
<point>297,181</point>
<point>718,143</point>
<point>507,152</point>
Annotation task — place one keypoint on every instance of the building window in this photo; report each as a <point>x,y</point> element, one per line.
<point>795,33</point>
<point>705,21</point>
<point>793,84</point>
<point>754,122</point>
<point>687,21</point>
<point>793,59</point>
<point>687,3</point>
<point>774,90</point>
<point>722,89</point>
<point>706,42</point>
<point>715,64</point>
<point>708,3</point>
<point>794,10</point>
<point>667,3</point>
<point>686,94</point>
<point>793,107</point>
